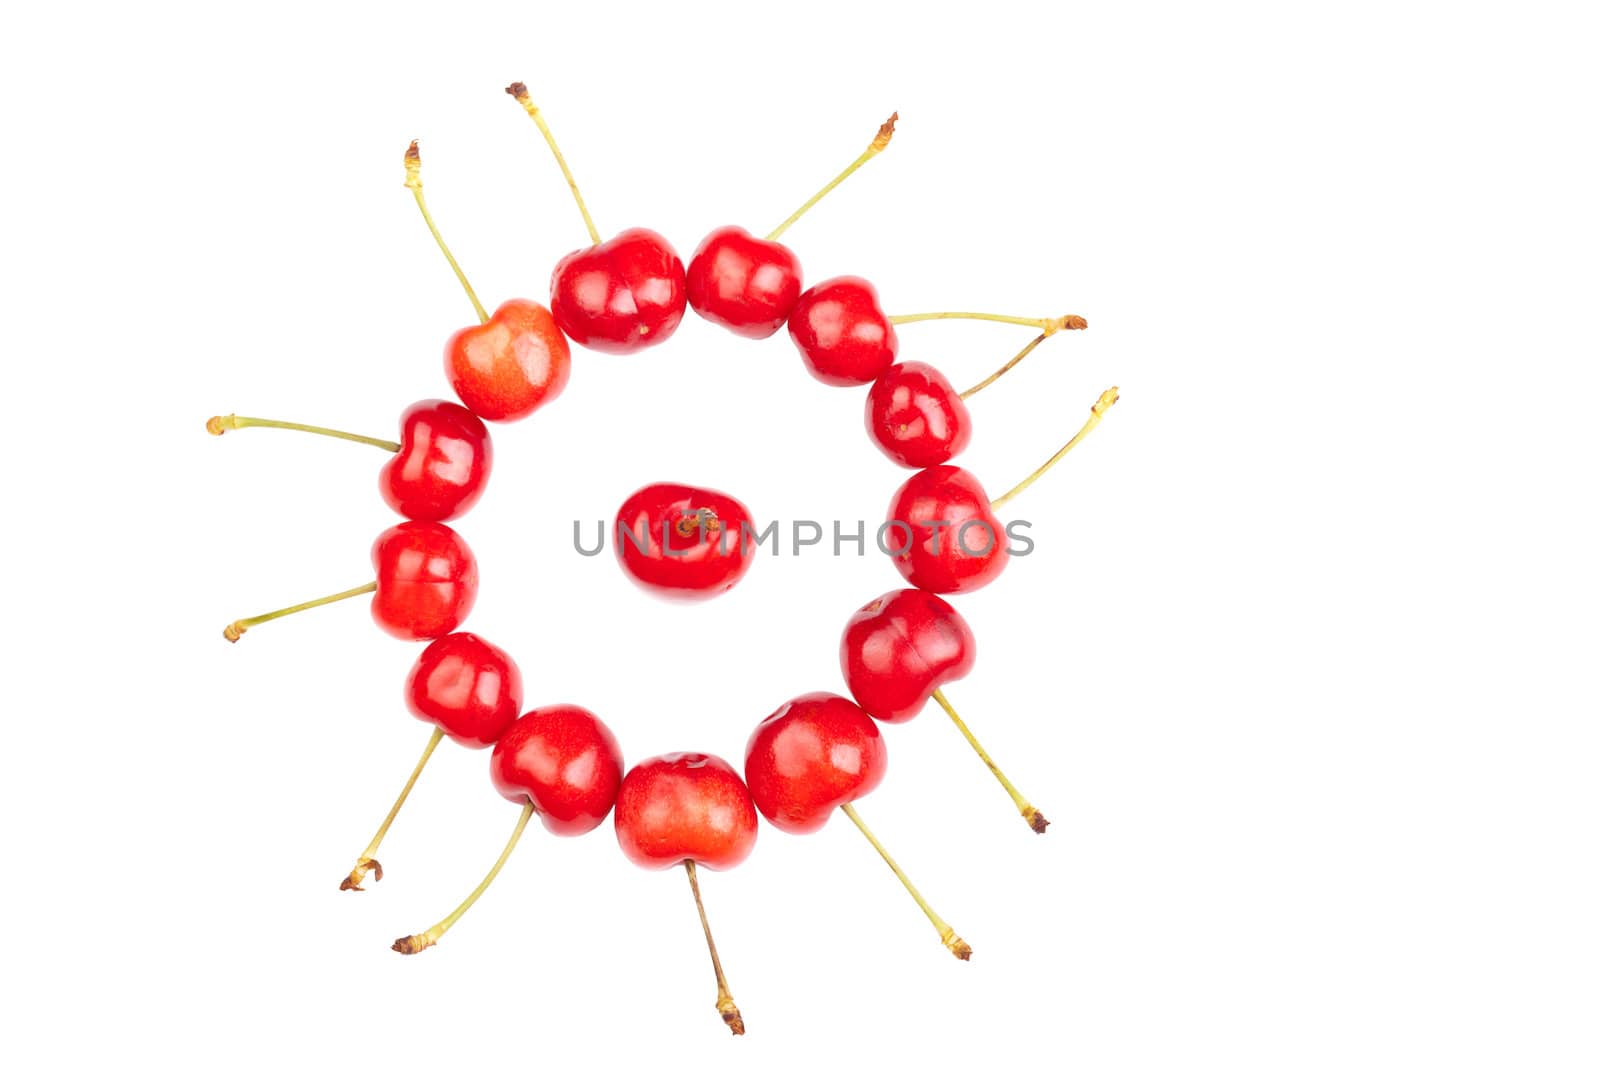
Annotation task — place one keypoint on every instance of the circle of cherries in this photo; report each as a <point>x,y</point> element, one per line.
<point>817,752</point>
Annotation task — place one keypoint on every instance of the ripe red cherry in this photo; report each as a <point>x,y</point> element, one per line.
<point>565,762</point>
<point>510,366</point>
<point>943,534</point>
<point>685,806</point>
<point>427,580</point>
<point>901,647</point>
<point>443,463</point>
<point>843,335</point>
<point>620,295</point>
<point>684,542</point>
<point>811,755</point>
<point>467,687</point>
<point>744,283</point>
<point>916,417</point>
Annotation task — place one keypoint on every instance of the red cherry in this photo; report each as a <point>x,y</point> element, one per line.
<point>916,417</point>
<point>443,463</point>
<point>813,754</point>
<point>843,335</point>
<point>620,295</point>
<point>511,365</point>
<point>427,580</point>
<point>741,282</point>
<point>685,806</point>
<point>943,534</point>
<point>565,762</point>
<point>684,542</point>
<point>901,647</point>
<point>467,687</point>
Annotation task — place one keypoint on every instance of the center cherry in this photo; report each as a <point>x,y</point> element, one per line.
<point>684,542</point>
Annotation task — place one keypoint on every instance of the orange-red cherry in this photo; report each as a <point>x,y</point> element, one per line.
<point>682,541</point>
<point>814,753</point>
<point>901,647</point>
<point>427,580</point>
<point>620,295</point>
<point>509,367</point>
<point>916,417</point>
<point>743,283</point>
<point>443,463</point>
<point>942,533</point>
<point>842,334</point>
<point>565,762</point>
<point>685,806</point>
<point>467,687</point>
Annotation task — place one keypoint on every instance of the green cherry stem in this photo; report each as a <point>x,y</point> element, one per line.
<point>1049,326</point>
<point>947,936</point>
<point>369,856</point>
<point>414,183</point>
<point>221,424</point>
<point>1096,412</point>
<point>879,143</point>
<point>1029,812</point>
<point>410,946</point>
<point>235,629</point>
<point>519,92</point>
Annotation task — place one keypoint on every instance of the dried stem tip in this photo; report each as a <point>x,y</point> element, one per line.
<point>730,1015</point>
<point>958,947</point>
<point>1066,322</point>
<point>885,132</point>
<point>519,92</point>
<point>410,946</point>
<point>357,874</point>
<point>413,166</point>
<point>1036,820</point>
<point>217,425</point>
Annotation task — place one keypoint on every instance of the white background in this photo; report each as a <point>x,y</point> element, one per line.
<point>1302,670</point>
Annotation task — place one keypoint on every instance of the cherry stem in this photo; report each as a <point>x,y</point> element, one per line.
<point>946,935</point>
<point>414,183</point>
<point>1029,812</point>
<point>235,629</point>
<point>725,1004</point>
<point>410,946</point>
<point>879,143</point>
<point>1096,412</point>
<point>519,92</point>
<point>1049,326</point>
<point>1018,358</point>
<point>369,856</point>
<point>221,424</point>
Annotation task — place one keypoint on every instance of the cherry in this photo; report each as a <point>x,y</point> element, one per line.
<point>619,295</point>
<point>468,689</point>
<point>441,464</point>
<point>427,581</point>
<point>914,414</point>
<point>564,761</point>
<point>748,284</point>
<point>901,647</point>
<point>816,753</point>
<point>693,809</point>
<point>916,417</point>
<point>684,542</point>
<point>514,361</point>
<point>560,761</point>
<point>843,335</point>
<point>744,283</point>
<point>943,534</point>
<point>899,650</point>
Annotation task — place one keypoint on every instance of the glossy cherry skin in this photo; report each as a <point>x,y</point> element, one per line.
<point>684,542</point>
<point>427,580</point>
<point>943,535</point>
<point>685,806</point>
<point>509,367</point>
<point>811,755</point>
<point>564,760</point>
<point>443,463</point>
<point>744,283</point>
<point>916,417</point>
<point>620,295</point>
<point>467,687</point>
<point>843,335</point>
<point>901,647</point>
